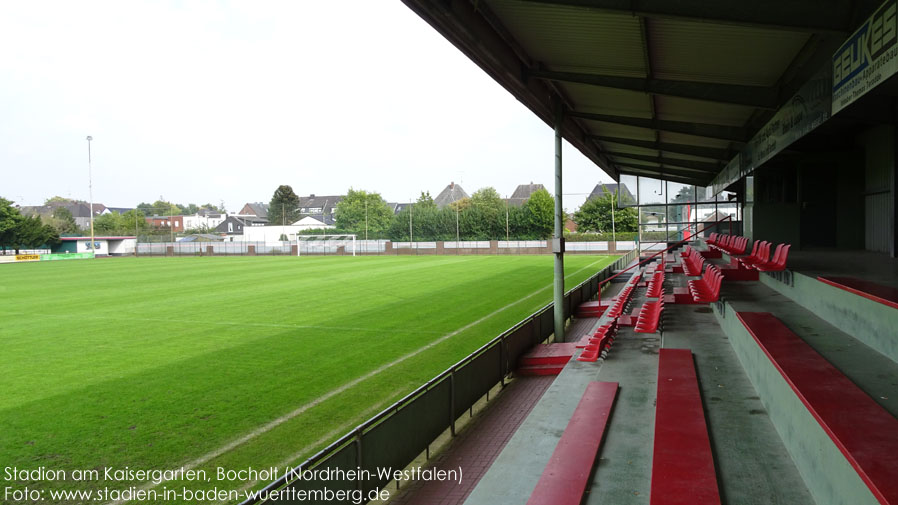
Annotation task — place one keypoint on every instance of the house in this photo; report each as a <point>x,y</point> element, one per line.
<point>79,210</point>
<point>119,210</point>
<point>522,193</point>
<point>316,222</point>
<point>258,209</point>
<point>602,189</point>
<point>234,225</point>
<point>451,193</point>
<point>203,220</point>
<point>312,204</point>
<point>397,207</point>
<point>176,223</point>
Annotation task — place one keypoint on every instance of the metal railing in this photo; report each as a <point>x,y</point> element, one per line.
<point>398,434</point>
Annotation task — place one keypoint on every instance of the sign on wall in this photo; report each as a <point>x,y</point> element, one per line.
<point>806,110</point>
<point>867,58</point>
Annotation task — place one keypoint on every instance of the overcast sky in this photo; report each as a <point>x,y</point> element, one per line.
<point>223,101</point>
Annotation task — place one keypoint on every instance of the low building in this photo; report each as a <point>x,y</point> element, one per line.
<point>234,226</point>
<point>174,222</point>
<point>313,205</point>
<point>203,220</point>
<point>103,245</point>
<point>258,210</point>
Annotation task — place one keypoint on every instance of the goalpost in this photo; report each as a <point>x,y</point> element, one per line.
<point>324,242</point>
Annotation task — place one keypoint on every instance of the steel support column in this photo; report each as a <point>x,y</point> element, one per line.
<point>558,242</point>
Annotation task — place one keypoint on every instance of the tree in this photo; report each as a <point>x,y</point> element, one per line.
<point>488,199</point>
<point>9,220</point>
<point>63,221</point>
<point>460,204</point>
<point>540,211</point>
<point>134,221</point>
<point>31,233</point>
<point>595,215</point>
<point>425,200</point>
<point>61,200</point>
<point>284,206</point>
<point>355,206</point>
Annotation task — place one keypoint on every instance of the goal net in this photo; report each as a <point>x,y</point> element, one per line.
<point>307,245</point>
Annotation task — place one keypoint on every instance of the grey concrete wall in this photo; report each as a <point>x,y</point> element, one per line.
<point>777,222</point>
<point>871,322</point>
<point>878,143</point>
<point>828,475</point>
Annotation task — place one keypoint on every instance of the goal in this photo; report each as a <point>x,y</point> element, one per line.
<point>324,244</point>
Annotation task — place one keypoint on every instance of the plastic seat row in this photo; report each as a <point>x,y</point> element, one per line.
<point>650,316</point>
<point>693,262</point>
<point>599,343</point>
<point>760,258</point>
<point>730,244</point>
<point>656,285</point>
<point>620,302</point>
<point>707,288</point>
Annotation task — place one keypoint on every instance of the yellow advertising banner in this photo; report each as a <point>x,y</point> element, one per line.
<point>28,257</point>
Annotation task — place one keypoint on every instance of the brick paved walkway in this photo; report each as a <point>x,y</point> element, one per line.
<point>475,448</point>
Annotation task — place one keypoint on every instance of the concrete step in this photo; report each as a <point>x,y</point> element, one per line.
<point>830,473</point>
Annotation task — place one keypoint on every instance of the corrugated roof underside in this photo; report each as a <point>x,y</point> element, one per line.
<point>726,54</point>
<point>575,39</point>
<point>588,41</point>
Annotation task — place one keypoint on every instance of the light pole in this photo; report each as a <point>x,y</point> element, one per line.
<point>90,190</point>
<point>410,237</point>
<point>457,237</point>
<point>366,218</point>
<point>506,220</point>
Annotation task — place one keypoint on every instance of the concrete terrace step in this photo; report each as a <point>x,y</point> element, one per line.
<point>549,354</point>
<point>829,475</point>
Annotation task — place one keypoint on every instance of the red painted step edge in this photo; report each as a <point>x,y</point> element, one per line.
<point>863,431</point>
<point>682,463</point>
<point>872,291</point>
<point>566,476</point>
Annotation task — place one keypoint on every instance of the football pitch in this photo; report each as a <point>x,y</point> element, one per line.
<point>162,363</point>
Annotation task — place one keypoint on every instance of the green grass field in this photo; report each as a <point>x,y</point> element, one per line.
<point>235,362</point>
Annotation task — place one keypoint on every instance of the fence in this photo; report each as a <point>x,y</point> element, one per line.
<point>374,247</point>
<point>396,436</point>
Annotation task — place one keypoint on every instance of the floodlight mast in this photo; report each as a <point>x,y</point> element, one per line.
<point>90,191</point>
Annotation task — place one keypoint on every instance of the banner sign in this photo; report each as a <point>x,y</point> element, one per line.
<point>867,58</point>
<point>28,257</point>
<point>68,256</point>
<point>806,110</point>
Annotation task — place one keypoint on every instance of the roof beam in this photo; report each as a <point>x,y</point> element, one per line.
<point>692,165</point>
<point>713,131</point>
<point>821,16</point>
<point>659,170</point>
<point>690,150</point>
<point>752,96</point>
<point>667,175</point>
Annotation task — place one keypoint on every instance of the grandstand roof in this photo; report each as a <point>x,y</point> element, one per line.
<point>655,88</point>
